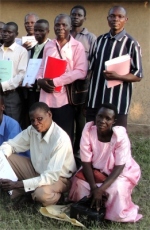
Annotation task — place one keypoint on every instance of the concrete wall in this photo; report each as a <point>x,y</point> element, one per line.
<point>138,26</point>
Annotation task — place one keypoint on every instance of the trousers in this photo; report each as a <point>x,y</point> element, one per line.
<point>46,194</point>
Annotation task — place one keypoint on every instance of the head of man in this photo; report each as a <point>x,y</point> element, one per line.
<point>116,19</point>
<point>29,21</point>
<point>2,108</point>
<point>40,117</point>
<point>41,30</point>
<point>78,16</point>
<point>62,27</point>
<point>9,33</point>
<point>1,28</point>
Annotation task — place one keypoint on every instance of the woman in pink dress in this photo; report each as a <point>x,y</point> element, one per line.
<point>107,148</point>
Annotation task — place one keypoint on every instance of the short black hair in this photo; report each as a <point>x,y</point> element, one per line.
<point>109,106</point>
<point>43,21</point>
<point>63,16</point>
<point>12,24</point>
<point>79,7</point>
<point>39,105</point>
<point>117,7</point>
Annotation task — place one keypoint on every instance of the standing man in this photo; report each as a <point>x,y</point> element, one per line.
<point>66,47</point>
<point>41,31</point>
<point>32,94</point>
<point>10,50</point>
<point>111,45</point>
<point>1,28</point>
<point>78,16</point>
<point>29,21</point>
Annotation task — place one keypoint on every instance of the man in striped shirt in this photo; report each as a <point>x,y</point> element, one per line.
<point>107,46</point>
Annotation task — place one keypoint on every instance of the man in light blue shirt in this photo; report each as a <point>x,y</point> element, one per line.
<point>9,128</point>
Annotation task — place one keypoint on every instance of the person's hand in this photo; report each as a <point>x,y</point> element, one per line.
<point>27,45</point>
<point>97,194</point>
<point>47,85</point>
<point>110,75</point>
<point>8,185</point>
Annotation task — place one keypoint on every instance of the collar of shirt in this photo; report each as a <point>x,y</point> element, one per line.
<point>2,126</point>
<point>12,47</point>
<point>117,37</point>
<point>47,135</point>
<point>70,43</point>
<point>40,46</point>
<point>84,31</point>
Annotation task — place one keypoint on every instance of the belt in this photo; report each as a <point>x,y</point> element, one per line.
<point>34,90</point>
<point>9,91</point>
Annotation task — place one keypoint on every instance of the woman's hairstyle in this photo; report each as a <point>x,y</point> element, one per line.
<point>109,106</point>
<point>39,105</point>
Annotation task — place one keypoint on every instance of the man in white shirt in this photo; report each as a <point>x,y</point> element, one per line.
<point>52,163</point>
<point>11,51</point>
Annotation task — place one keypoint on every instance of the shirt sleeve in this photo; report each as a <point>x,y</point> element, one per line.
<point>19,143</point>
<point>85,145</point>
<point>136,62</point>
<point>122,150</point>
<point>61,164</point>
<point>16,80</point>
<point>92,55</point>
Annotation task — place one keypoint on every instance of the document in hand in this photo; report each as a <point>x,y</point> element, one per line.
<point>31,72</point>
<point>121,65</point>
<point>29,39</point>
<point>6,70</point>
<point>6,171</point>
<point>54,67</point>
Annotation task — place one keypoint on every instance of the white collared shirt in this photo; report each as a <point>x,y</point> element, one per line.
<point>51,155</point>
<point>19,56</point>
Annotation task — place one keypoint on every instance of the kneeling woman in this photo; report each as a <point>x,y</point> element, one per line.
<point>108,149</point>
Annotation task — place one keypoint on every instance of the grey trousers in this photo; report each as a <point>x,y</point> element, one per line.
<point>47,194</point>
<point>13,105</point>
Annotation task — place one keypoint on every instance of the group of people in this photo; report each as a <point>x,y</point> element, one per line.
<point>57,130</point>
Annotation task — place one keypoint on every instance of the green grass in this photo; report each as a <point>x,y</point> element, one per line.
<point>29,219</point>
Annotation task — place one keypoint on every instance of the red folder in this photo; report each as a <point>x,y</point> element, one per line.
<point>55,67</point>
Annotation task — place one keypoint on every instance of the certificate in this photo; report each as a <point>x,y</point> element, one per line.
<point>6,70</point>
<point>31,72</point>
<point>121,65</point>
<point>6,171</point>
<point>29,39</point>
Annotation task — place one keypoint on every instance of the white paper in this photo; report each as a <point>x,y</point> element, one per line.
<point>29,39</point>
<point>6,171</point>
<point>31,72</point>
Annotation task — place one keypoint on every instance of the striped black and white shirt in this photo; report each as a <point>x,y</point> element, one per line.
<point>105,48</point>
